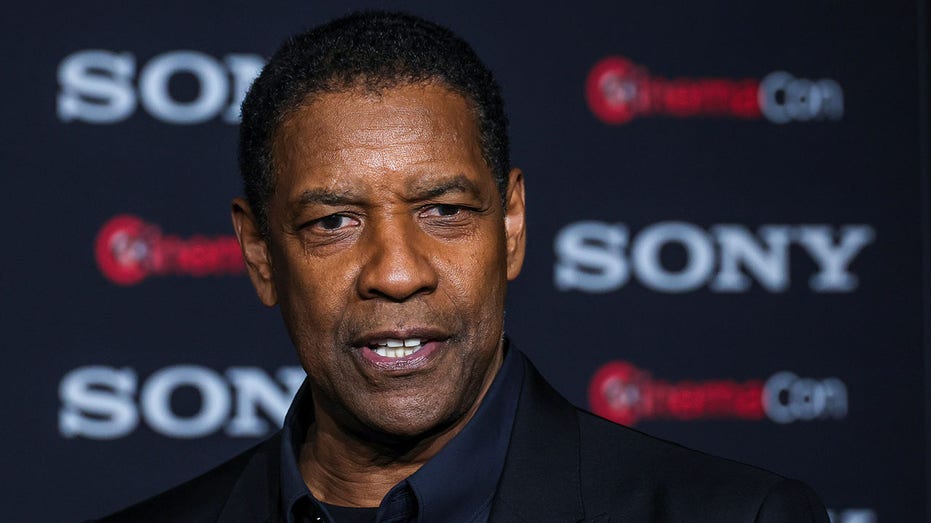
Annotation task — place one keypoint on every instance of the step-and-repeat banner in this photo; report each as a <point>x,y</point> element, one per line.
<point>727,236</point>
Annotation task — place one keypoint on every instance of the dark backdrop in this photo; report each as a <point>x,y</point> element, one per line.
<point>727,245</point>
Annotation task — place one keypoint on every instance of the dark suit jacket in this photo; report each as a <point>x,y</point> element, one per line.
<point>563,465</point>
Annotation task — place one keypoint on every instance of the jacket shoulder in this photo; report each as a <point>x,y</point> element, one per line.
<point>199,499</point>
<point>621,466</point>
<point>607,444</point>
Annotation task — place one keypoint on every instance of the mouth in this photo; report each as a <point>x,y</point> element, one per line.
<point>400,351</point>
<point>397,347</point>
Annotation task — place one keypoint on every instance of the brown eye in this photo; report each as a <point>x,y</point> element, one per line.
<point>334,222</point>
<point>447,210</point>
<point>443,210</point>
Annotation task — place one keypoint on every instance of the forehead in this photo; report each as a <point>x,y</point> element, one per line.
<point>387,129</point>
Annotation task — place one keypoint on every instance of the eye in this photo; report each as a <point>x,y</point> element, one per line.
<point>333,222</point>
<point>444,210</point>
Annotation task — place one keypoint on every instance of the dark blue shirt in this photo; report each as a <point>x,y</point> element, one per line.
<point>456,485</point>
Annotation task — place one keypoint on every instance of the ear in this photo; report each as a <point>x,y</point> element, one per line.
<point>255,252</point>
<point>515,225</point>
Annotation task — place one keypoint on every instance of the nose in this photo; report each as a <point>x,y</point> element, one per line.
<point>397,266</point>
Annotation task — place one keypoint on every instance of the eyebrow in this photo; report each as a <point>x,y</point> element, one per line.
<point>421,189</point>
<point>323,196</point>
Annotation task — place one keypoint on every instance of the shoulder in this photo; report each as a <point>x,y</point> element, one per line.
<point>671,482</point>
<point>200,499</point>
<point>603,441</point>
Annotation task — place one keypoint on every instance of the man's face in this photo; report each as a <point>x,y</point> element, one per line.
<point>387,229</point>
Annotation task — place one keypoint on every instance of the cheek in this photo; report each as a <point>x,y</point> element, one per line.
<point>489,263</point>
<point>476,279</point>
<point>313,303</point>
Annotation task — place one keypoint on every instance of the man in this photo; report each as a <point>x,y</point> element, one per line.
<point>382,215</point>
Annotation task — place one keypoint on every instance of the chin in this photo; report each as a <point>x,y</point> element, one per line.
<point>414,425</point>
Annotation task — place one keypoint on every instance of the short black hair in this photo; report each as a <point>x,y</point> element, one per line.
<point>374,50</point>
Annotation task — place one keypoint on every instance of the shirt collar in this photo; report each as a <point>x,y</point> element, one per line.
<point>299,417</point>
<point>457,484</point>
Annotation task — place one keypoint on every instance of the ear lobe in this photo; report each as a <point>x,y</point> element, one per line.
<point>515,226</point>
<point>255,252</point>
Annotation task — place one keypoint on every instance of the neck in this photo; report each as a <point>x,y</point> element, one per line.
<point>345,471</point>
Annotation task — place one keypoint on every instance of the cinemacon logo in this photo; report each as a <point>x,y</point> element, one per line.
<point>618,90</point>
<point>128,250</point>
<point>621,392</point>
<point>600,257</point>
<point>104,87</point>
<point>101,402</point>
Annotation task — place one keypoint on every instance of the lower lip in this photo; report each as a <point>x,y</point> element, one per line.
<point>414,361</point>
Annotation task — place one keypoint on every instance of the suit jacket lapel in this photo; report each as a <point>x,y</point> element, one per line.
<point>541,479</point>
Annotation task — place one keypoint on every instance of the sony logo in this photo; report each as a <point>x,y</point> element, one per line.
<point>599,257</point>
<point>101,87</point>
<point>100,402</point>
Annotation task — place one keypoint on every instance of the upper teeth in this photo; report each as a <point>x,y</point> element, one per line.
<point>396,348</point>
